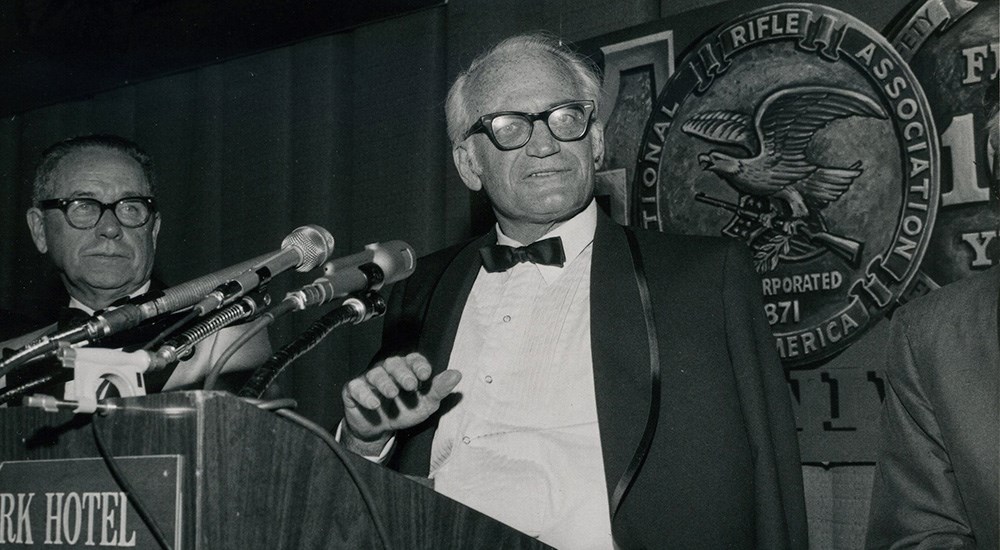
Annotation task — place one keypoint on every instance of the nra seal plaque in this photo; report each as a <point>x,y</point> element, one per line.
<point>799,130</point>
<point>952,48</point>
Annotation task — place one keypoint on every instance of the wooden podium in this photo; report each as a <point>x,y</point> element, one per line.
<point>214,472</point>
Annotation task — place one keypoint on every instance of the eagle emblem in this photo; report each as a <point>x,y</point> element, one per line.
<point>782,192</point>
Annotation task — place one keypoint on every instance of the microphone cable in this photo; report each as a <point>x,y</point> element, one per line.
<point>309,295</point>
<point>251,330</point>
<point>159,338</point>
<point>281,407</point>
<point>8,394</point>
<point>19,359</point>
<point>354,310</point>
<point>176,348</point>
<point>126,487</point>
<point>219,320</point>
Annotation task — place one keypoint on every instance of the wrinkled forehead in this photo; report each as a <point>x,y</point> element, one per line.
<point>99,170</point>
<point>521,82</point>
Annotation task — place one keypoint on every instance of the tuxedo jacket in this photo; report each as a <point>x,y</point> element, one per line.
<point>723,467</point>
<point>936,482</point>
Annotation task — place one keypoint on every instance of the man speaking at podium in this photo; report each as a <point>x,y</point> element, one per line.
<point>94,216</point>
<point>586,384</point>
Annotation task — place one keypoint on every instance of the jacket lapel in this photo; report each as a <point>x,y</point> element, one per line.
<point>619,348</point>
<point>448,300</point>
<point>437,338</point>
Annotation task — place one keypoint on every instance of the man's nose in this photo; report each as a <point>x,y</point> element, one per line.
<point>542,143</point>
<point>108,225</point>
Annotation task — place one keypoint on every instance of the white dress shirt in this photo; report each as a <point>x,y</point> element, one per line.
<point>523,445</point>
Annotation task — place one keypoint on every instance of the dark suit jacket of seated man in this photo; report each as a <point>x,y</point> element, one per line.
<point>589,459</point>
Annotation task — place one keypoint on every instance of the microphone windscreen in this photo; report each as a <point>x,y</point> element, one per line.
<point>314,244</point>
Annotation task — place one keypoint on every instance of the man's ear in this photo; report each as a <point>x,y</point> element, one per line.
<point>597,144</point>
<point>468,166</point>
<point>36,225</point>
<point>156,228</point>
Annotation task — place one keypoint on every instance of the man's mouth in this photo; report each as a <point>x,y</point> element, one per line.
<point>107,254</point>
<point>545,173</point>
<point>705,161</point>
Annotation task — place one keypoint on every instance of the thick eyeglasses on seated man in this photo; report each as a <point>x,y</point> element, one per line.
<point>84,213</point>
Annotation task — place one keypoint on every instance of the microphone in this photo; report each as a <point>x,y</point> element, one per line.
<point>179,346</point>
<point>304,249</point>
<point>377,265</point>
<point>372,268</point>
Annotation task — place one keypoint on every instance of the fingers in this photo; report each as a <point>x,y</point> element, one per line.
<point>378,377</point>
<point>443,384</point>
<point>386,379</point>
<point>375,404</point>
<point>357,392</point>
<point>407,372</point>
<point>421,368</point>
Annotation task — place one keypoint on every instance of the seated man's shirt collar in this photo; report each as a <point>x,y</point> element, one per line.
<point>74,303</point>
<point>576,233</point>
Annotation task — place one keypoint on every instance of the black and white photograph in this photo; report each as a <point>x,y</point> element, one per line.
<point>519,274</point>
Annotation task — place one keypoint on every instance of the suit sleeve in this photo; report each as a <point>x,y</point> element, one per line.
<point>765,400</point>
<point>915,499</point>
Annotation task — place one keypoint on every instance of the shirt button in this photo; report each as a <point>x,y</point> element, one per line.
<point>466,440</point>
<point>489,379</point>
<point>506,318</point>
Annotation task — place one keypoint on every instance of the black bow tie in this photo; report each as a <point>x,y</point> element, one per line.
<point>70,317</point>
<point>498,257</point>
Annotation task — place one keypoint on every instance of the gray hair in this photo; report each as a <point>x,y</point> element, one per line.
<point>43,187</point>
<point>458,109</point>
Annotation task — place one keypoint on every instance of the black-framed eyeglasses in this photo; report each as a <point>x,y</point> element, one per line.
<point>84,213</point>
<point>510,130</point>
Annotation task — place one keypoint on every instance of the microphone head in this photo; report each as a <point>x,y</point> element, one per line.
<point>396,258</point>
<point>313,243</point>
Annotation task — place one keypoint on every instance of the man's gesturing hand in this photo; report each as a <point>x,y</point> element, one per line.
<point>393,395</point>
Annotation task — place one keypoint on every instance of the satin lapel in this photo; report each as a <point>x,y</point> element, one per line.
<point>438,322</point>
<point>619,347</point>
<point>448,300</point>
